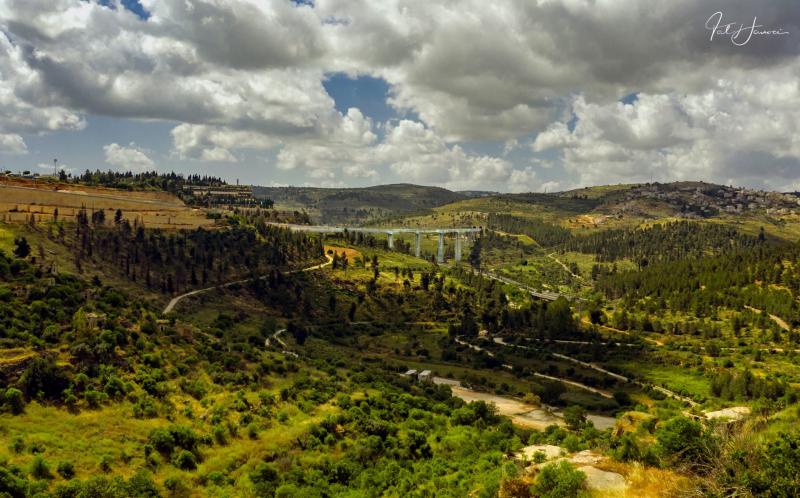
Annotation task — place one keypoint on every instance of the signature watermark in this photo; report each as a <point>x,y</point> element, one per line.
<point>739,33</point>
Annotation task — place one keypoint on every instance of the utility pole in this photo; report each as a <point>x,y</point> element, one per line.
<point>55,167</point>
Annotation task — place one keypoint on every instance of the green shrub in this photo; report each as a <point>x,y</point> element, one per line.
<point>575,417</point>
<point>220,434</point>
<point>141,485</point>
<point>176,486</point>
<point>685,440</point>
<point>66,470</point>
<point>185,460</point>
<point>252,431</point>
<point>94,398</point>
<point>106,463</point>
<point>40,469</point>
<point>17,445</point>
<point>162,441</point>
<point>12,484</point>
<point>558,480</point>
<point>14,399</point>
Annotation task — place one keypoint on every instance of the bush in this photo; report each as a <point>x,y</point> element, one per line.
<point>40,469</point>
<point>15,401</point>
<point>220,434</point>
<point>622,398</point>
<point>185,460</point>
<point>252,431</point>
<point>575,417</point>
<point>176,486</point>
<point>264,478</point>
<point>11,484</point>
<point>162,441</point>
<point>17,445</point>
<point>94,398</point>
<point>780,467</point>
<point>560,480</point>
<point>44,377</point>
<point>105,463</point>
<point>66,470</point>
<point>141,485</point>
<point>685,440</point>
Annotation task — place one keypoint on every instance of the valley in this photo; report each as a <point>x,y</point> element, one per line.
<point>252,355</point>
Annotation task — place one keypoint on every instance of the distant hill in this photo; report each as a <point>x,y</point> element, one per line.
<point>358,205</point>
<point>630,205</point>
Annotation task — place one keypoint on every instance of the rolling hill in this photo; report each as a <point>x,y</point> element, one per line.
<point>358,205</point>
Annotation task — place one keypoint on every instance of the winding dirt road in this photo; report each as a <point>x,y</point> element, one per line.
<point>175,300</point>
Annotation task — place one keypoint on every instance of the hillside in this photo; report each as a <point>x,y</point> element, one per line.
<point>628,206</point>
<point>379,373</point>
<point>358,205</point>
<point>21,199</point>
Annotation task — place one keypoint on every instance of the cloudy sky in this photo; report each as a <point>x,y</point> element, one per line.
<point>536,95</point>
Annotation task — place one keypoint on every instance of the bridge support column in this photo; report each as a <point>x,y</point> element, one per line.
<point>458,247</point>
<point>417,244</point>
<point>391,239</point>
<point>440,249</point>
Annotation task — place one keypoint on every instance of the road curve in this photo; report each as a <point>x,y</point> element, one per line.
<point>175,300</point>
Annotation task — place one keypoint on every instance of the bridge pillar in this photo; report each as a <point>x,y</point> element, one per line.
<point>391,239</point>
<point>440,249</point>
<point>458,247</point>
<point>417,244</point>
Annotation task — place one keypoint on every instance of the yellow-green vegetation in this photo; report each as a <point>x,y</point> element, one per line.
<point>6,240</point>
<point>291,382</point>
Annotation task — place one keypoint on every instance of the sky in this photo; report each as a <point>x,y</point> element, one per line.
<point>509,96</point>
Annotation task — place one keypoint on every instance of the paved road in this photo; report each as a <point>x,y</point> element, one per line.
<point>175,300</point>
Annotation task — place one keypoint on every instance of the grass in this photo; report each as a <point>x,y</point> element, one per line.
<point>6,240</point>
<point>674,378</point>
<point>155,209</point>
<point>82,439</point>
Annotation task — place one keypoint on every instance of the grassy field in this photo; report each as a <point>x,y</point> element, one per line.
<point>19,201</point>
<point>6,240</point>
<point>676,378</point>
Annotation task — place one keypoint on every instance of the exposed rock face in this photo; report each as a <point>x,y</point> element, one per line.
<point>550,451</point>
<point>601,480</point>
<point>585,457</point>
<point>732,413</point>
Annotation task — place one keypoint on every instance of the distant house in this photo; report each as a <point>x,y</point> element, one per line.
<point>425,376</point>
<point>411,373</point>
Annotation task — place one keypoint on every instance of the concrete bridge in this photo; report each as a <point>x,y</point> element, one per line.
<point>459,234</point>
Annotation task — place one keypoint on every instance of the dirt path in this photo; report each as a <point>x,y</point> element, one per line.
<point>175,300</point>
<point>536,374</point>
<point>602,370</point>
<point>586,321</point>
<point>565,267</point>
<point>775,318</point>
<point>546,295</point>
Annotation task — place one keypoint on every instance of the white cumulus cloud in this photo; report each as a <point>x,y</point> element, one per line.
<point>128,158</point>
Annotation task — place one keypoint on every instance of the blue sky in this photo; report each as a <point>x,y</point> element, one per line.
<point>520,97</point>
